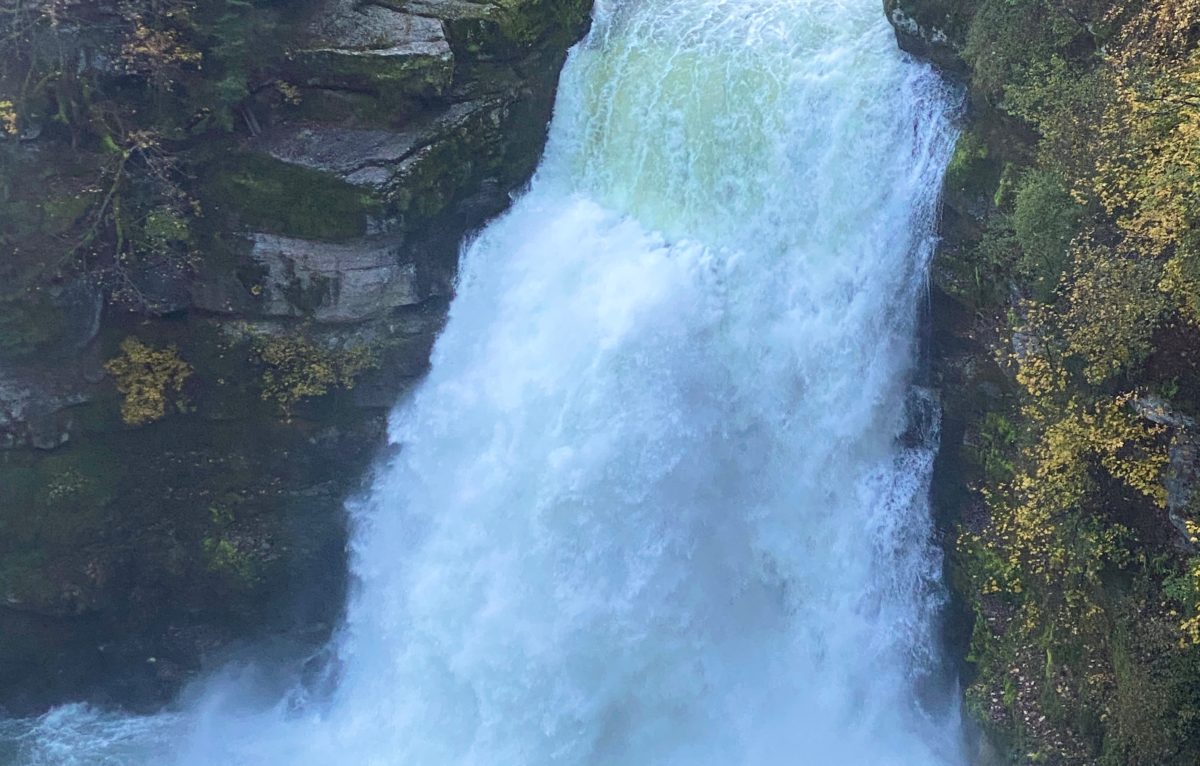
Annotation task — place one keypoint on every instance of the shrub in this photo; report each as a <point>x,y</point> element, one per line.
<point>151,379</point>
<point>8,118</point>
<point>1114,307</point>
<point>1045,218</point>
<point>297,369</point>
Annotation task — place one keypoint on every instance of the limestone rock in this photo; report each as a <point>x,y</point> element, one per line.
<point>335,283</point>
<point>500,29</point>
<point>35,408</point>
<point>357,45</point>
<point>370,157</point>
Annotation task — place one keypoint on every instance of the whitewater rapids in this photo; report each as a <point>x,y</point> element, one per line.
<point>655,504</point>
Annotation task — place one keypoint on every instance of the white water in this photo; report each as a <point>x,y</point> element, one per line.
<point>650,506</point>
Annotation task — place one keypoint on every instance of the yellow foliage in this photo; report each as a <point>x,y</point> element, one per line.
<point>150,379</point>
<point>290,93</point>
<point>155,53</point>
<point>1158,30</point>
<point>1104,317</point>
<point>1036,353</point>
<point>1189,627</point>
<point>1181,280</point>
<point>1044,536</point>
<point>1047,536</point>
<point>8,118</point>
<point>1147,172</point>
<point>299,369</point>
<point>1149,165</point>
<point>1113,307</point>
<point>1113,108</point>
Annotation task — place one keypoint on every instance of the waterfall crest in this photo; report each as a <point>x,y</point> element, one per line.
<point>653,504</point>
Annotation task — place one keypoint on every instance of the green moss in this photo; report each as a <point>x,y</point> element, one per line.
<point>440,173</point>
<point>980,273</point>
<point>226,559</point>
<point>1008,39</point>
<point>62,213</point>
<point>56,500</point>
<point>527,21</point>
<point>267,195</point>
<point>1138,730</point>
<point>28,323</point>
<point>389,76</point>
<point>44,203</point>
<point>971,170</point>
<point>164,227</point>
<point>995,451</point>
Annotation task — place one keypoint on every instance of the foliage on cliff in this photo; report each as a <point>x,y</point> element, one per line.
<point>1081,261</point>
<point>296,368</point>
<point>150,379</point>
<point>115,99</point>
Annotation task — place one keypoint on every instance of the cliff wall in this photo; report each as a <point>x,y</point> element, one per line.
<point>229,234</point>
<point>1065,347</point>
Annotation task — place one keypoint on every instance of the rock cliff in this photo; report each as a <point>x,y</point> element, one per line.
<point>231,234</point>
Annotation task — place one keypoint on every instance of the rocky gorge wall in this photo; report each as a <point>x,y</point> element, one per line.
<point>229,231</point>
<point>1064,347</point>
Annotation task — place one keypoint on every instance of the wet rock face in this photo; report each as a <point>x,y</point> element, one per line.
<point>333,221</point>
<point>931,30</point>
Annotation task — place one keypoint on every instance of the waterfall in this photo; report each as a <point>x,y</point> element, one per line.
<point>661,500</point>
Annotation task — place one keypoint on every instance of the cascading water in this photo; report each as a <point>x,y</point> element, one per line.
<point>653,504</point>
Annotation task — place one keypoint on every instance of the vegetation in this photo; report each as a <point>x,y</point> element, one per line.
<point>1085,154</point>
<point>296,368</point>
<point>275,197</point>
<point>151,380</point>
<point>223,554</point>
<point>134,92</point>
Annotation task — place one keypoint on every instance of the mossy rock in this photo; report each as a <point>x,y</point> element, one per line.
<point>505,29</point>
<point>274,197</point>
<point>933,29</point>
<point>44,201</point>
<point>388,75</point>
<point>972,172</point>
<point>56,499</point>
<point>950,18</point>
<point>28,323</point>
<point>429,182</point>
